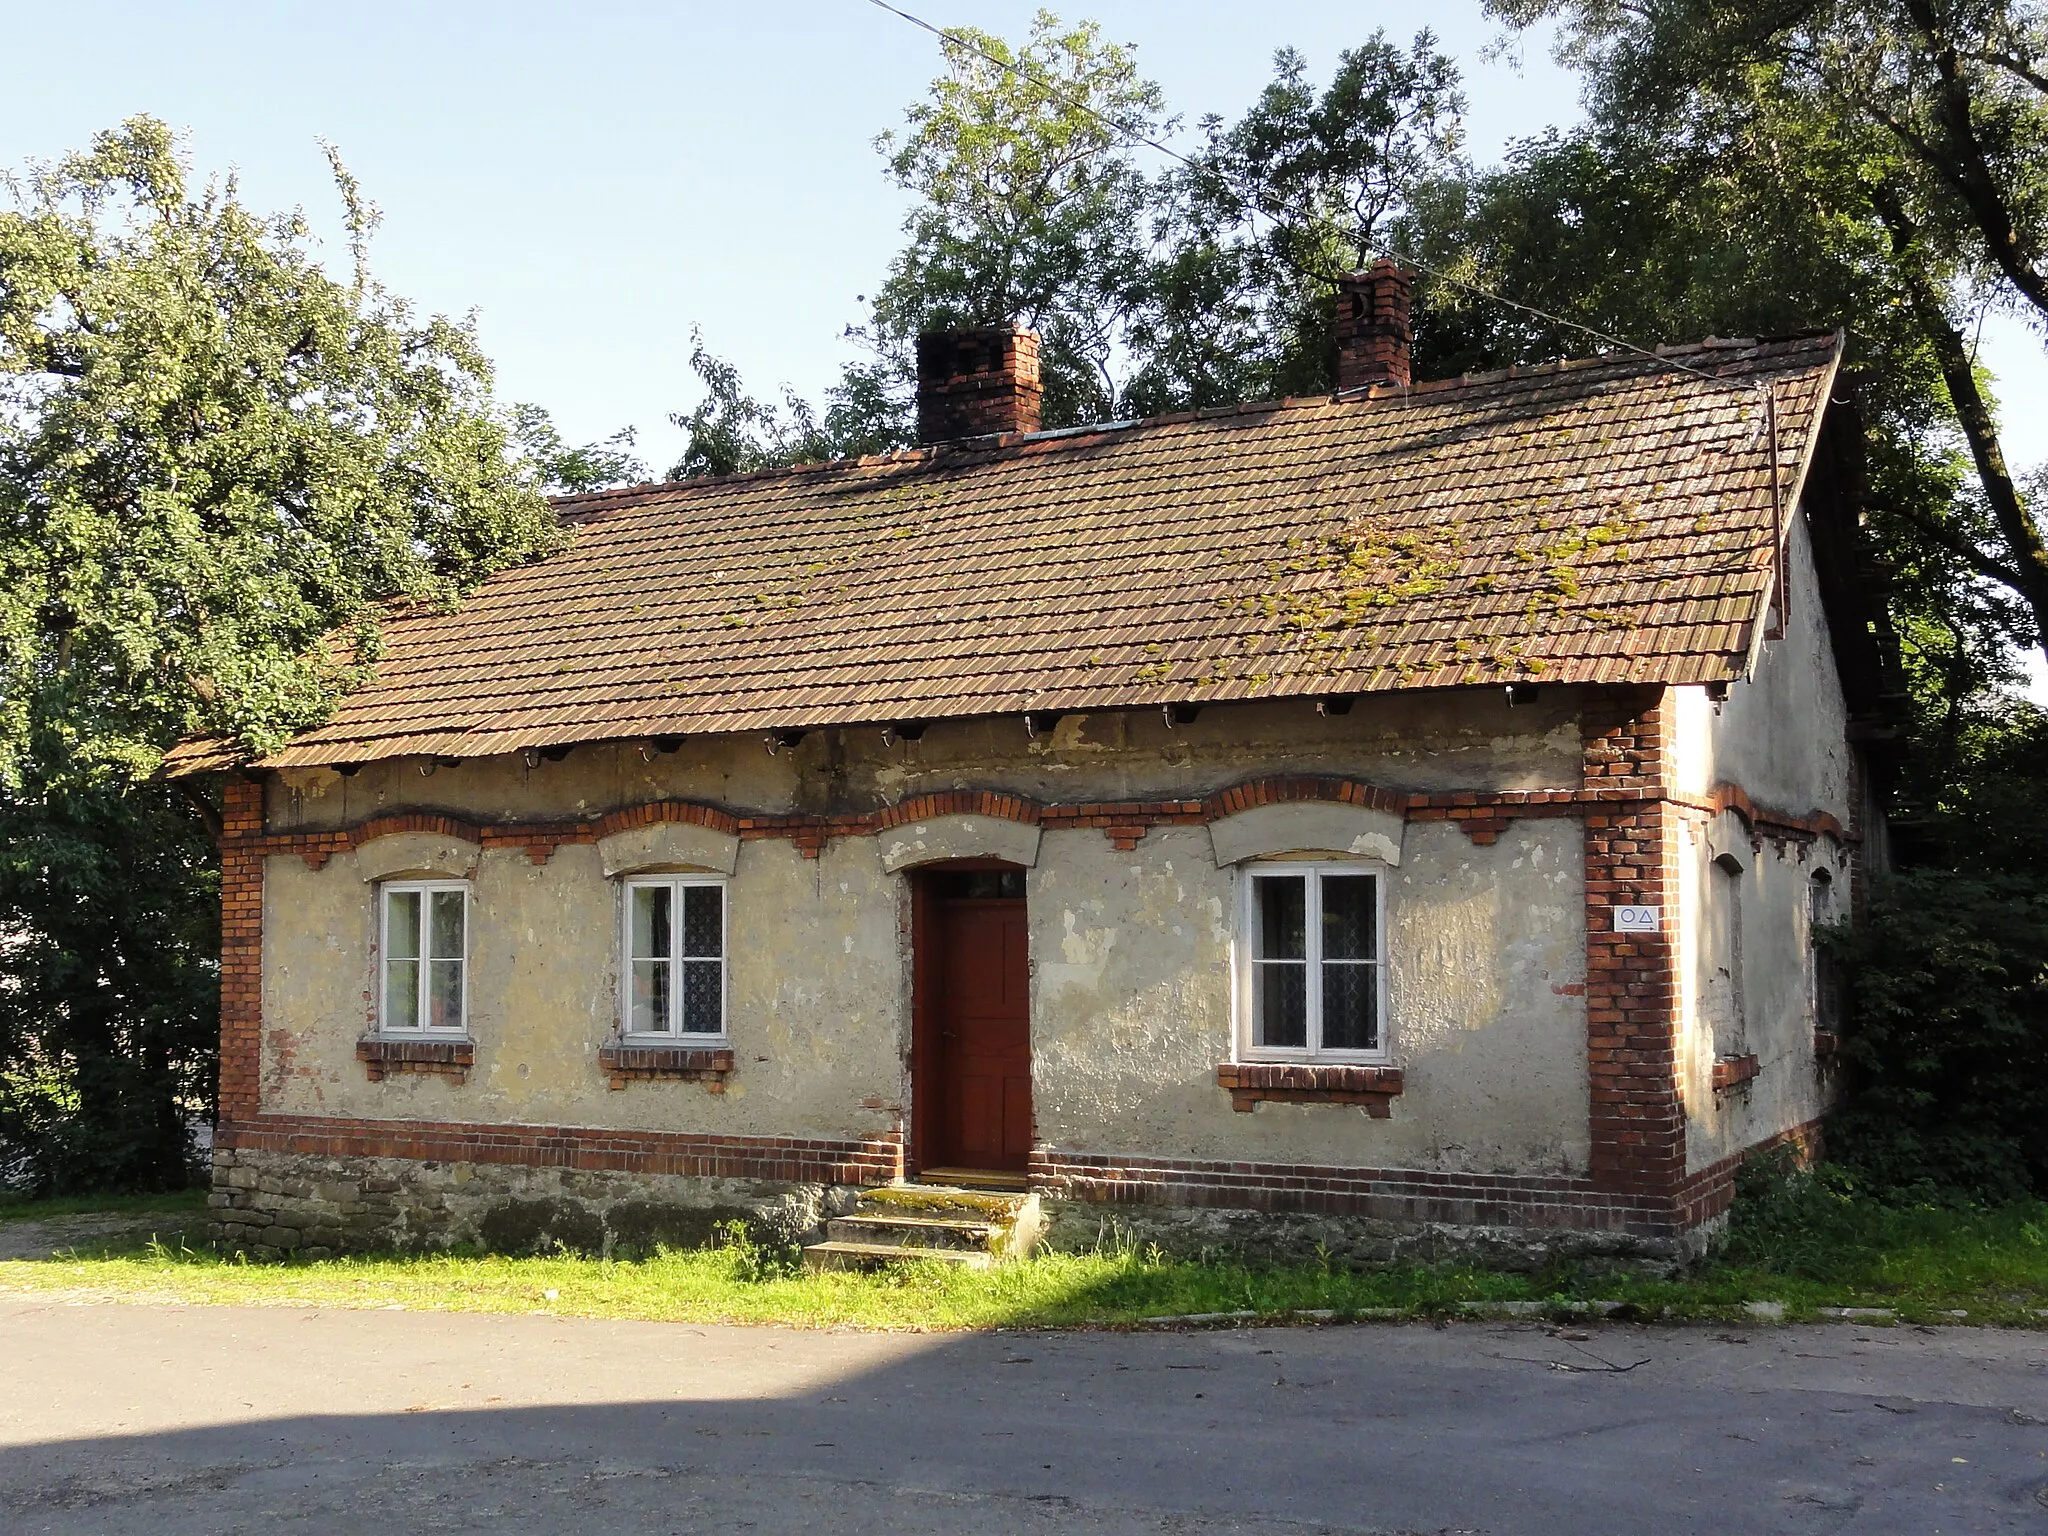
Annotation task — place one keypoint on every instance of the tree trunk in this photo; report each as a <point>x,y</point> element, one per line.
<point>2023,564</point>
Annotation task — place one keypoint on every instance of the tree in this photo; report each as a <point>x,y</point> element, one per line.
<point>561,469</point>
<point>213,455</point>
<point>219,465</point>
<point>1201,285</point>
<point>1939,110</point>
<point>1238,302</point>
<point>1030,206</point>
<point>733,433</point>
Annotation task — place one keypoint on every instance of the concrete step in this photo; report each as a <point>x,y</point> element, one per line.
<point>840,1255</point>
<point>907,1231</point>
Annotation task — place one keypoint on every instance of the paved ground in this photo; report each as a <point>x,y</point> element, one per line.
<point>170,1421</point>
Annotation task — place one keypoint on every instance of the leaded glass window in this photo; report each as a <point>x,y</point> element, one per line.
<point>675,957</point>
<point>1313,983</point>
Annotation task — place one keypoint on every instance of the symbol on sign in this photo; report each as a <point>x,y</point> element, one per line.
<point>1637,919</point>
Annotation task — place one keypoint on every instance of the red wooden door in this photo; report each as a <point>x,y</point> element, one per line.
<point>983,1015</point>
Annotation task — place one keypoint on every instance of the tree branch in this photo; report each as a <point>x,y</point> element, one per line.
<point>1966,168</point>
<point>2026,550</point>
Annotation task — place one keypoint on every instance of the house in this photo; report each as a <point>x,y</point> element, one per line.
<point>1381,821</point>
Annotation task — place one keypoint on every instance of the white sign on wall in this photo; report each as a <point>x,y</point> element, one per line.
<point>1638,919</point>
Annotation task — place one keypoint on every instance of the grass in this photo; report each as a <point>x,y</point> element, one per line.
<point>1808,1250</point>
<point>16,1208</point>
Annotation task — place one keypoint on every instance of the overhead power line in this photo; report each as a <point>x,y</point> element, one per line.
<point>1279,213</point>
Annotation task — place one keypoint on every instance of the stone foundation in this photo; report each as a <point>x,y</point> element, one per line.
<point>274,1203</point>
<point>1355,1241</point>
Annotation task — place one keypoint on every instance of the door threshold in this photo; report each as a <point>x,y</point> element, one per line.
<point>973,1178</point>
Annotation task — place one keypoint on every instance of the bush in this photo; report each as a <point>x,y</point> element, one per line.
<point>1946,1034</point>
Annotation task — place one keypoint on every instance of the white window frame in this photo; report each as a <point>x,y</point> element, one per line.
<point>675,1035</point>
<point>425,889</point>
<point>1312,871</point>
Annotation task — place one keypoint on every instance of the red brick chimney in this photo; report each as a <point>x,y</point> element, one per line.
<point>1373,334</point>
<point>971,383</point>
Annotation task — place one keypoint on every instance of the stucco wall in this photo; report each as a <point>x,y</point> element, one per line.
<point>817,985</point>
<point>1130,950</point>
<point>1782,733</point>
<point>1132,955</point>
<point>1462,740</point>
<point>1776,1023</point>
<point>1781,737</point>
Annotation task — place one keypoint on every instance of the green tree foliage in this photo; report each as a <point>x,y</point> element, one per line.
<point>109,985</point>
<point>730,432</point>
<point>1929,122</point>
<point>1195,286</point>
<point>1029,205</point>
<point>564,469</point>
<point>212,456</point>
<point>219,464</point>
<point>1235,301</point>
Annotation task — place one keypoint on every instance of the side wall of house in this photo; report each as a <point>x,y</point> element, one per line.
<point>1771,790</point>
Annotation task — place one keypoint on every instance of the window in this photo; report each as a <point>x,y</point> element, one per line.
<point>1726,1012</point>
<point>1313,982</point>
<point>675,958</point>
<point>1827,985</point>
<point>425,957</point>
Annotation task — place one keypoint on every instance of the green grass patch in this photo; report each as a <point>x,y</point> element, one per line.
<point>180,1203</point>
<point>1797,1242</point>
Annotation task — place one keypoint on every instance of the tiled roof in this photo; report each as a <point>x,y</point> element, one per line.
<point>1600,521</point>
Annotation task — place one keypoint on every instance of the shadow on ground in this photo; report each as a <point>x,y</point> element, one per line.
<point>186,1420</point>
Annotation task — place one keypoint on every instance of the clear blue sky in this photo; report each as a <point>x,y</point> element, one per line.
<point>594,179</point>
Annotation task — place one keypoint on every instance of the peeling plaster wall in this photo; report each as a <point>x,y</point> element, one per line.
<point>1776,1023</point>
<point>817,1018</point>
<point>1132,1006</point>
<point>1783,733</point>
<point>1782,737</point>
<point>1131,950</point>
<point>1469,739</point>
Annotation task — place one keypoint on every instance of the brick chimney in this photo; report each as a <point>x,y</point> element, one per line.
<point>1373,334</point>
<point>971,383</point>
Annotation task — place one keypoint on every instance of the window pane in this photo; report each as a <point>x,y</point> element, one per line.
<point>401,994</point>
<point>1348,918</point>
<point>401,924</point>
<point>1350,1006</point>
<point>650,997</point>
<point>651,921</point>
<point>703,1003</point>
<point>1280,1003</point>
<point>1279,917</point>
<point>703,921</point>
<point>445,938</point>
<point>444,994</point>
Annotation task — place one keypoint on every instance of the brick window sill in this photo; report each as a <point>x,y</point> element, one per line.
<point>382,1055</point>
<point>709,1065</point>
<point>1734,1071</point>
<point>1254,1082</point>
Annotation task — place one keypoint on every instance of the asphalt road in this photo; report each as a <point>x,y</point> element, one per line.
<point>174,1420</point>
